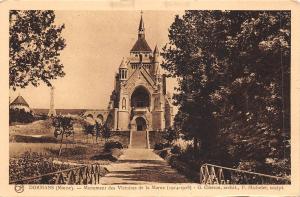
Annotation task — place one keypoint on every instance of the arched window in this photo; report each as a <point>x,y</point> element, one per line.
<point>140,97</point>
<point>123,103</point>
<point>90,116</point>
<point>100,118</point>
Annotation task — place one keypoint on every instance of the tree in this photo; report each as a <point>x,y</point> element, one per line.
<point>170,135</point>
<point>89,129</point>
<point>35,43</point>
<point>106,133</point>
<point>20,115</point>
<point>234,80</point>
<point>63,127</point>
<point>98,130</point>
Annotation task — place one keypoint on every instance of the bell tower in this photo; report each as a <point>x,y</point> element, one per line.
<point>123,113</point>
<point>123,69</point>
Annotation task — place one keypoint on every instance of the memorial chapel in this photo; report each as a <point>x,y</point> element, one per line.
<point>139,101</point>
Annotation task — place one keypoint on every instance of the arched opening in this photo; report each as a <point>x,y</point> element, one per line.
<point>140,124</point>
<point>140,97</point>
<point>100,118</point>
<point>90,116</point>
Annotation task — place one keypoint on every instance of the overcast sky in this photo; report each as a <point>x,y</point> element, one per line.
<point>96,42</point>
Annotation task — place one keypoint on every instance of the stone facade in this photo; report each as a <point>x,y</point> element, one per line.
<point>139,101</point>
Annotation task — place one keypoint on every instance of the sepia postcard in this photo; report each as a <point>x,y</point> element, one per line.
<point>142,98</point>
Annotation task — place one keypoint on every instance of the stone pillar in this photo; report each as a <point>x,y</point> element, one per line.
<point>123,120</point>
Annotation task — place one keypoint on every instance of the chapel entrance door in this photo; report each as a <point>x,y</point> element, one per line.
<point>139,136</point>
<point>141,124</point>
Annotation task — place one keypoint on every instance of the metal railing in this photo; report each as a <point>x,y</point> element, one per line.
<point>214,174</point>
<point>81,175</point>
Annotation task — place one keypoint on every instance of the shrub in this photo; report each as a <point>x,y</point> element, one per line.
<point>106,132</point>
<point>112,144</point>
<point>170,135</point>
<point>40,117</point>
<point>187,154</point>
<point>20,115</point>
<point>31,164</point>
<point>160,146</point>
<point>164,153</point>
<point>176,149</point>
<point>123,137</point>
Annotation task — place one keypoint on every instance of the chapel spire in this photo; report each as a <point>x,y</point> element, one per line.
<point>141,44</point>
<point>141,27</point>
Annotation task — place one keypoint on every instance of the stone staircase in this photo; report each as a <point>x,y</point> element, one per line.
<point>138,139</point>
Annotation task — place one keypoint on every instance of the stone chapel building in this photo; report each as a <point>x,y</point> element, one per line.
<point>139,101</point>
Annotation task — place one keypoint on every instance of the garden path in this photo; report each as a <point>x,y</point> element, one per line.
<point>141,166</point>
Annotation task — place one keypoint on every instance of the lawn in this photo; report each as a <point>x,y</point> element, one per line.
<point>38,137</point>
<point>42,131</point>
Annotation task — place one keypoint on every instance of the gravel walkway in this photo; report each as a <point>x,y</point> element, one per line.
<point>141,166</point>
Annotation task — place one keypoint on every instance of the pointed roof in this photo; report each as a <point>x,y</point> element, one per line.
<point>141,44</point>
<point>20,101</point>
<point>156,51</point>
<point>146,76</point>
<point>123,63</point>
<point>141,26</point>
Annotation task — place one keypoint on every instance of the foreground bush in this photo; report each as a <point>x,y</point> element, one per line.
<point>111,155</point>
<point>112,145</point>
<point>160,146</point>
<point>31,164</point>
<point>176,149</point>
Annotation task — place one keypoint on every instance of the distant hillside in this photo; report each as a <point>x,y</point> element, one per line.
<point>61,111</point>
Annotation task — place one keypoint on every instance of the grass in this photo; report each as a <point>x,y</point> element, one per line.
<point>41,131</point>
<point>77,153</point>
<point>39,137</point>
<point>16,149</point>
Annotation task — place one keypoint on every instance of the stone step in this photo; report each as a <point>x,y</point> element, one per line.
<point>139,139</point>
